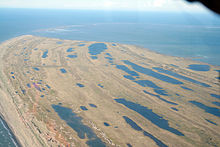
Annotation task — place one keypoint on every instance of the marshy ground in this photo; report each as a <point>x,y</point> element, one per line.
<point>78,93</point>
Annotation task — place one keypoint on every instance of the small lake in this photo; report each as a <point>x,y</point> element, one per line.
<point>97,48</point>
<point>151,73</point>
<point>215,96</point>
<point>83,108</point>
<point>138,128</point>
<point>211,110</point>
<point>70,50</point>
<point>35,68</point>
<point>45,54</point>
<point>127,70</point>
<point>63,70</point>
<point>169,102</point>
<point>92,105</point>
<point>216,103</point>
<point>80,85</point>
<point>72,56</point>
<point>149,115</point>
<point>147,83</point>
<point>186,88</point>
<point>198,67</point>
<point>75,122</point>
<point>211,122</point>
<point>171,73</point>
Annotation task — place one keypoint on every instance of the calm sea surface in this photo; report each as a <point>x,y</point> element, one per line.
<point>181,34</point>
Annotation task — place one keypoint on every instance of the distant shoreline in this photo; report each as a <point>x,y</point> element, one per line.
<point>10,131</point>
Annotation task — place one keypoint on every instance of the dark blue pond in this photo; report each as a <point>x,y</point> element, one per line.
<point>48,86</point>
<point>186,88</point>
<point>100,85</point>
<point>59,42</point>
<point>29,85</point>
<point>83,108</point>
<point>157,141</point>
<point>13,77</point>
<point>177,94</point>
<point>151,73</point>
<point>75,122</point>
<point>147,83</point>
<point>211,122</point>
<point>35,68</point>
<point>216,103</point>
<point>23,91</point>
<point>138,128</point>
<point>106,124</point>
<point>45,54</point>
<point>70,50</point>
<point>92,105</point>
<point>63,70</point>
<point>72,56</point>
<point>215,96</point>
<point>129,145</point>
<point>171,73</point>
<point>174,65</point>
<point>42,96</point>
<point>129,77</point>
<point>211,110</point>
<point>198,67</point>
<point>80,85</point>
<point>81,45</point>
<point>161,92</point>
<point>97,48</point>
<point>37,87</point>
<point>127,70</point>
<point>108,54</point>
<point>174,109</point>
<point>132,123</point>
<point>110,59</point>
<point>150,115</point>
<point>94,57</point>
<point>169,102</point>
<point>12,73</point>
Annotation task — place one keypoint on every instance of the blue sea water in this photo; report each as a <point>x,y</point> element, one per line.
<point>7,139</point>
<point>194,35</point>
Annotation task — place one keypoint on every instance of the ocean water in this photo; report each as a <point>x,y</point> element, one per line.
<point>7,139</point>
<point>183,34</point>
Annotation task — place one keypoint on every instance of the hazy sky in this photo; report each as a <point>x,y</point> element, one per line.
<point>172,5</point>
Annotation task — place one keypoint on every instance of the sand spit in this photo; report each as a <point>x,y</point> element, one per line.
<point>78,93</point>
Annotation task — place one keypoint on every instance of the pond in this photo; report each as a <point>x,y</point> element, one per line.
<point>149,115</point>
<point>75,122</point>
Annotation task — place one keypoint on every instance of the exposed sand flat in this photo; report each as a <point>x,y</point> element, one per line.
<point>76,93</point>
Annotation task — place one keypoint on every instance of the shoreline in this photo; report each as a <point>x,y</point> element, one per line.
<point>10,131</point>
<point>192,58</point>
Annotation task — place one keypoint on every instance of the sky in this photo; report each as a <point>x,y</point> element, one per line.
<point>136,5</point>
